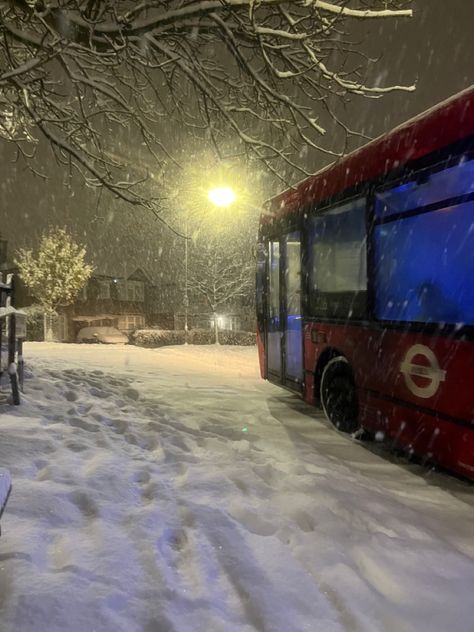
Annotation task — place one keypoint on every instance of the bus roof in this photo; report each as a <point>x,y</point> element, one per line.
<point>437,127</point>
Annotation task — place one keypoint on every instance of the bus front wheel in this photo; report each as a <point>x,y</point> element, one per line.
<point>338,395</point>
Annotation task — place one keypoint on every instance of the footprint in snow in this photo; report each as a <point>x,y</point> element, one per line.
<point>241,485</point>
<point>267,473</point>
<point>75,446</point>
<point>153,425</point>
<point>132,393</point>
<point>120,426</point>
<point>77,422</point>
<point>40,463</point>
<point>83,409</point>
<point>98,392</point>
<point>150,492</point>
<point>252,521</point>
<point>51,419</point>
<point>174,539</point>
<point>141,477</point>
<point>84,503</point>
<point>304,521</point>
<point>130,438</point>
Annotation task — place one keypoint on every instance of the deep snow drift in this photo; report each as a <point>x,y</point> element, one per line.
<point>173,490</point>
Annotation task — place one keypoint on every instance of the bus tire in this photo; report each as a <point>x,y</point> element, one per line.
<point>338,395</point>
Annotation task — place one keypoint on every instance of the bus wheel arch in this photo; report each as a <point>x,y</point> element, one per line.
<point>338,394</point>
<point>328,354</point>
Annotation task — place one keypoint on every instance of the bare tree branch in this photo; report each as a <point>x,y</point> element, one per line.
<point>84,75</point>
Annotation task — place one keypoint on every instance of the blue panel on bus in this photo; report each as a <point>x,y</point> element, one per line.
<point>424,267</point>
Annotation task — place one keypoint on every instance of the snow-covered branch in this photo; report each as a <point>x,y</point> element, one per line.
<point>221,269</point>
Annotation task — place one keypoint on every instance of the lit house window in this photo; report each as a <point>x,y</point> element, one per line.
<point>130,322</point>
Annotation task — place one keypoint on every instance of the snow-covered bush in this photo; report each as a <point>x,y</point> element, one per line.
<point>157,337</point>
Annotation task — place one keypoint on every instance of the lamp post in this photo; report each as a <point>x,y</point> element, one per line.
<point>186,297</point>
<point>220,197</point>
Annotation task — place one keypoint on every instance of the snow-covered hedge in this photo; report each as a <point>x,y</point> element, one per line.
<point>206,337</point>
<point>241,338</point>
<point>157,337</point>
<point>201,337</point>
<point>161,337</point>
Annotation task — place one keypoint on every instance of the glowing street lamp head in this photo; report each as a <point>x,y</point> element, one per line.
<point>223,196</point>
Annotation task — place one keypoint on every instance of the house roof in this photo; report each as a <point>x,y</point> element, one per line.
<point>138,275</point>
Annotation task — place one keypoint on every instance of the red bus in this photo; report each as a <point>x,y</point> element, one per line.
<point>365,287</point>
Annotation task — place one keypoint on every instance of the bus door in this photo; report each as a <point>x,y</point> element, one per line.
<point>284,319</point>
<point>273,312</point>
<point>291,307</point>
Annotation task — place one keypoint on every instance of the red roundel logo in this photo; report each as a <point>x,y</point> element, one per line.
<point>421,371</point>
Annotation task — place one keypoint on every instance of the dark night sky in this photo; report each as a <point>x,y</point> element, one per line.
<point>435,48</point>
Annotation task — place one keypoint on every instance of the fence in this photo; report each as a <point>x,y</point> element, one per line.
<point>13,332</point>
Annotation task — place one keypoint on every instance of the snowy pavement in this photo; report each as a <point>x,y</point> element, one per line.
<point>173,490</point>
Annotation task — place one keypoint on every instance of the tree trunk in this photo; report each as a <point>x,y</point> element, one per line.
<point>216,330</point>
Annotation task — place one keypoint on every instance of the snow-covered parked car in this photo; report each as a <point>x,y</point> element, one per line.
<point>104,335</point>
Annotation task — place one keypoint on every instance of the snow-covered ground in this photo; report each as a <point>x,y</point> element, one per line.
<point>173,490</point>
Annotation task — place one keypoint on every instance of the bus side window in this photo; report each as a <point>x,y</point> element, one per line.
<point>424,255</point>
<point>338,261</point>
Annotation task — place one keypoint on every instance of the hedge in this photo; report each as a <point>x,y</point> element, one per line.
<point>152,338</point>
<point>157,338</point>
<point>241,338</point>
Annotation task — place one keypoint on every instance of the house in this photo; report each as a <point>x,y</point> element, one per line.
<point>125,303</point>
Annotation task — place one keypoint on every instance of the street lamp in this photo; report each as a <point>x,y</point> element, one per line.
<point>221,196</point>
